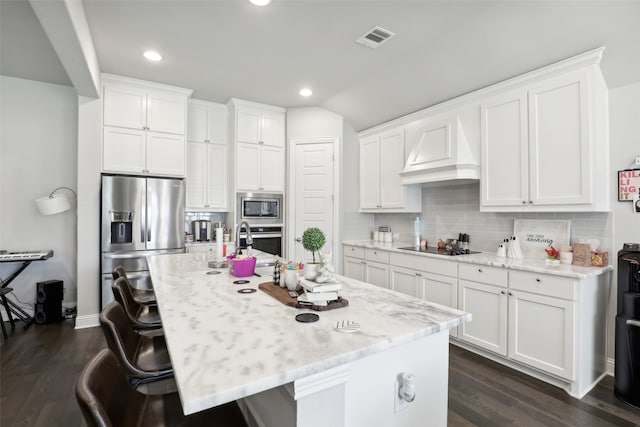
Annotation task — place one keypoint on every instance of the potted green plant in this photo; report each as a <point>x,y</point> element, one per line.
<point>312,240</point>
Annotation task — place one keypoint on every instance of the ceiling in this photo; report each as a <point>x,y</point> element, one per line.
<point>229,48</point>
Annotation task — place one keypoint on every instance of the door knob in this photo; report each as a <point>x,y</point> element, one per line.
<point>299,239</point>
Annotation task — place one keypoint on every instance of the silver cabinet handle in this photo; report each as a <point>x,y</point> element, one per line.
<point>479,270</point>
<point>299,239</point>
<point>524,202</point>
<point>633,322</point>
<point>502,292</point>
<point>538,280</point>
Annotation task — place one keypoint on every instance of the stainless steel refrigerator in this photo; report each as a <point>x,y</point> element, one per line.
<point>140,216</point>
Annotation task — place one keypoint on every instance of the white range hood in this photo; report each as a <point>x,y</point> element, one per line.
<point>440,152</point>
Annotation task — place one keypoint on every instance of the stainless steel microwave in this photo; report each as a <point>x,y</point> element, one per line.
<point>259,208</point>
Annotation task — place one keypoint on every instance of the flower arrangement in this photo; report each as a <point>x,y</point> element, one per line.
<point>552,253</point>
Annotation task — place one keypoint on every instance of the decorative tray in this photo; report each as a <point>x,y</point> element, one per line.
<point>282,295</point>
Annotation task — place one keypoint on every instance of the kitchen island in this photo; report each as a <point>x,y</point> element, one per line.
<point>227,346</point>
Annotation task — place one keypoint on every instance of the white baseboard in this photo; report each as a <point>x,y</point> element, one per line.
<point>87,321</point>
<point>610,368</point>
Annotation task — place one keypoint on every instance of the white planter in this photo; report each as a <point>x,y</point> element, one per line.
<point>310,271</point>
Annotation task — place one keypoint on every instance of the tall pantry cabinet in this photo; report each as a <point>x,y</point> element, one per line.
<point>207,157</point>
<point>144,127</point>
<point>258,133</point>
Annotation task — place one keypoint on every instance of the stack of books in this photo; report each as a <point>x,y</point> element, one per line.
<point>319,293</point>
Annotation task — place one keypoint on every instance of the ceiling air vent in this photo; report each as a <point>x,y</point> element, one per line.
<point>375,37</point>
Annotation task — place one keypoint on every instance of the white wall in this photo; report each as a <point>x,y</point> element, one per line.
<point>624,109</point>
<point>38,141</point>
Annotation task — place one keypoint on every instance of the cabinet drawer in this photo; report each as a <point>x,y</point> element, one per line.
<point>376,255</point>
<point>484,274</point>
<point>353,251</point>
<point>424,263</point>
<point>543,284</point>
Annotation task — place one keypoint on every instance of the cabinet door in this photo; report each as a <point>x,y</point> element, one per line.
<point>377,274</point>
<point>248,126</point>
<point>370,173</point>
<point>272,129</point>
<point>560,141</point>
<point>165,154</point>
<point>197,175</point>
<point>166,113</point>
<point>197,123</point>
<point>271,168</point>
<point>441,290</point>
<point>488,306</point>
<point>541,332</point>
<point>217,126</point>
<point>123,150</point>
<point>406,281</point>
<point>248,167</point>
<point>218,182</point>
<point>354,268</point>
<point>392,193</point>
<point>504,146</point>
<point>125,107</point>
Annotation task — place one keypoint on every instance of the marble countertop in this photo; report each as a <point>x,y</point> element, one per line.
<point>483,258</point>
<point>225,345</point>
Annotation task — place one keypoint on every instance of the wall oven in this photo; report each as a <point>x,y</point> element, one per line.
<point>265,238</point>
<point>259,208</point>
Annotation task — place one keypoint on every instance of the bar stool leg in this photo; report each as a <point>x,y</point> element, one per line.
<point>4,330</point>
<point>5,302</point>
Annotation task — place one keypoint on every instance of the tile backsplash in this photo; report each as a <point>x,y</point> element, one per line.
<point>210,216</point>
<point>449,210</point>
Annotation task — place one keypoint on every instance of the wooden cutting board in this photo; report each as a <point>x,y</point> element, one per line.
<point>282,295</point>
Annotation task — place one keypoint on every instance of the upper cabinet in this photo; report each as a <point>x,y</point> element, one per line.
<point>207,157</point>
<point>545,143</point>
<point>258,132</point>
<point>382,158</point>
<point>144,127</point>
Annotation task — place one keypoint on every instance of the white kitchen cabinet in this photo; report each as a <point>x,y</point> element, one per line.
<point>144,127</point>
<point>259,138</point>
<point>488,307</point>
<point>544,145</point>
<point>406,281</point>
<point>382,158</point>
<point>354,268</point>
<point>541,332</point>
<point>207,182</point>
<point>368,265</point>
<point>207,157</point>
<point>207,122</point>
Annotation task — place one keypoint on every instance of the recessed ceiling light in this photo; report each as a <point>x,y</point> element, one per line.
<point>260,2</point>
<point>306,92</point>
<point>152,55</point>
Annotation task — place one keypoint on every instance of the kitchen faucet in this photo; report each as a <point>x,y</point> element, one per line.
<point>248,239</point>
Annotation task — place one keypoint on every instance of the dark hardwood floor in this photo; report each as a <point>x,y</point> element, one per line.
<point>39,368</point>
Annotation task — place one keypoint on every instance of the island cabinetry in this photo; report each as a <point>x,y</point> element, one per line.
<point>543,142</point>
<point>207,157</point>
<point>483,293</point>
<point>367,264</point>
<point>144,127</point>
<point>382,158</point>
<point>424,277</point>
<point>259,139</point>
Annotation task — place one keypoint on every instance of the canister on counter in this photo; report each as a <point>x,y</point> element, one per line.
<point>599,258</point>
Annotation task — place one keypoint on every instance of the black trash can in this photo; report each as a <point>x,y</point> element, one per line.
<point>627,367</point>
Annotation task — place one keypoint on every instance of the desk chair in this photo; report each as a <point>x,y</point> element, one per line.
<point>106,399</point>
<point>141,296</point>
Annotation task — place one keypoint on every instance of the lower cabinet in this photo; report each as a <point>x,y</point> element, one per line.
<point>541,332</point>
<point>368,265</point>
<point>354,268</point>
<point>488,307</point>
<point>406,281</point>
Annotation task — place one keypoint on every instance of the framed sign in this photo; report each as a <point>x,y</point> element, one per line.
<point>535,235</point>
<point>628,184</point>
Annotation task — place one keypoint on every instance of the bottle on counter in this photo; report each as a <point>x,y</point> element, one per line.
<point>417,226</point>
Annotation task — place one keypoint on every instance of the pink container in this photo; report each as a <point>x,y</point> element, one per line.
<point>241,268</point>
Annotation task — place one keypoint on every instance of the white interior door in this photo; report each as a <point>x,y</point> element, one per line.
<point>313,192</point>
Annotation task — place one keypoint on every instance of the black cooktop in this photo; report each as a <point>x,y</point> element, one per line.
<point>436,251</point>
